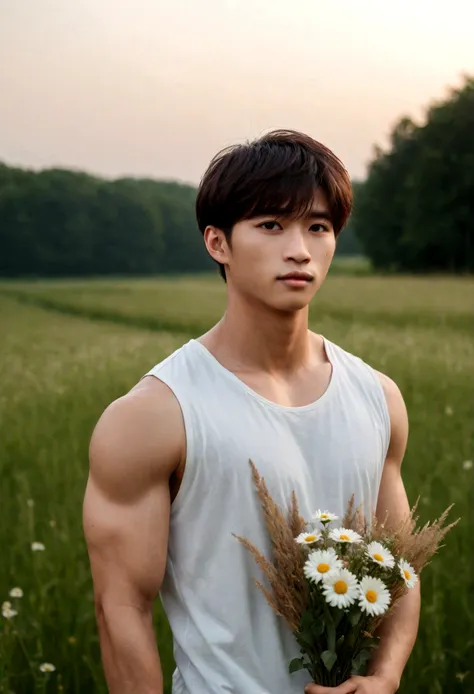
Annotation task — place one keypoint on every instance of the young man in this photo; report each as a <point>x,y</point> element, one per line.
<point>170,479</point>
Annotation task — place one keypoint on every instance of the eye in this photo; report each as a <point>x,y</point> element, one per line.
<point>319,227</point>
<point>270,226</point>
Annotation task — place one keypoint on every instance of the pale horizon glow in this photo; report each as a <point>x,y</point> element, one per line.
<point>155,89</point>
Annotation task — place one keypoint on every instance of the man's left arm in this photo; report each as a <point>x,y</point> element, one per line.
<point>399,630</point>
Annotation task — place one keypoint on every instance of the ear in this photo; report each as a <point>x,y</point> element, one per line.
<point>216,244</point>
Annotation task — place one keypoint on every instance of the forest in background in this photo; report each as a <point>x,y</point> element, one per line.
<point>413,213</point>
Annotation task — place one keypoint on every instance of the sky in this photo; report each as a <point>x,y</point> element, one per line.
<point>155,88</point>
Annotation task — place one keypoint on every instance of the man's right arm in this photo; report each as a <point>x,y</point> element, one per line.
<point>136,446</point>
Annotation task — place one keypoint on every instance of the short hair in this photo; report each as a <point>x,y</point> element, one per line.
<point>278,172</point>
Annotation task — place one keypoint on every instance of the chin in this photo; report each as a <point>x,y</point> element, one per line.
<point>292,303</point>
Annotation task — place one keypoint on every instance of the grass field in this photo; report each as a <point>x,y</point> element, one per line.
<point>67,349</point>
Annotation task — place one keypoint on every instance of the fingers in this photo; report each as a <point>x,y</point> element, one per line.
<point>347,688</point>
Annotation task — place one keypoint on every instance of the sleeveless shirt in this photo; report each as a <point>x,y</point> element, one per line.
<point>226,638</point>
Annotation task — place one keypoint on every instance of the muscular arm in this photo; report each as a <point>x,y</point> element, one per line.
<point>398,633</point>
<point>136,446</point>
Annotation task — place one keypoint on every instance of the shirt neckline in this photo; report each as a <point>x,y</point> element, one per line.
<point>270,403</point>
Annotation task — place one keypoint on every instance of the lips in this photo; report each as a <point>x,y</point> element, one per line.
<point>301,276</point>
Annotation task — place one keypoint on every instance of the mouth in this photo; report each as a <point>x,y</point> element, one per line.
<point>296,279</point>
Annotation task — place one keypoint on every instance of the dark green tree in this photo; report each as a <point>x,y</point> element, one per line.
<point>414,211</point>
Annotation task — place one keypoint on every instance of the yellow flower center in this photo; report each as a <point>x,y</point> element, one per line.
<point>324,515</point>
<point>377,557</point>
<point>323,568</point>
<point>345,537</point>
<point>311,538</point>
<point>407,574</point>
<point>340,587</point>
<point>371,596</point>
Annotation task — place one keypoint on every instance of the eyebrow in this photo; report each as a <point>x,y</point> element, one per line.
<point>320,214</point>
<point>315,213</point>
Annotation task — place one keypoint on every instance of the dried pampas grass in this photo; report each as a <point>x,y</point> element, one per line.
<point>288,589</point>
<point>289,594</point>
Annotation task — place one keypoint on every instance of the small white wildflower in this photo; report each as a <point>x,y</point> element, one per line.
<point>37,547</point>
<point>52,523</point>
<point>340,588</point>
<point>7,612</point>
<point>345,535</point>
<point>374,596</point>
<point>320,564</point>
<point>308,538</point>
<point>449,410</point>
<point>380,555</point>
<point>30,503</point>
<point>16,593</point>
<point>467,465</point>
<point>324,516</point>
<point>408,574</point>
<point>47,667</point>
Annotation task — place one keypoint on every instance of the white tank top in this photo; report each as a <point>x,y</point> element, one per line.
<point>226,637</point>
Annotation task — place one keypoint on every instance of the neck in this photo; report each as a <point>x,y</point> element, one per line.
<point>255,338</point>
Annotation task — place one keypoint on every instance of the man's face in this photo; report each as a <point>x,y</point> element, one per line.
<point>269,252</point>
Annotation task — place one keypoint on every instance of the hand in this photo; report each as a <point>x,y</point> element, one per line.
<point>373,684</point>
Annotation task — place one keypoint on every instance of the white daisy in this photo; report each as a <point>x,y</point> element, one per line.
<point>340,588</point>
<point>16,593</point>
<point>374,596</point>
<point>345,535</point>
<point>380,555</point>
<point>47,667</point>
<point>37,547</point>
<point>408,574</point>
<point>308,538</point>
<point>321,564</point>
<point>6,605</point>
<point>324,516</point>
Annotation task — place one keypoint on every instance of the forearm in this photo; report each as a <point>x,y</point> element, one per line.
<point>397,638</point>
<point>129,652</point>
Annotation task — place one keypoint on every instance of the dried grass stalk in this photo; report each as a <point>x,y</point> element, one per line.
<point>288,596</point>
<point>284,573</point>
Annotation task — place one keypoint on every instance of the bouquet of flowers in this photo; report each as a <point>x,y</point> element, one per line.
<point>334,583</point>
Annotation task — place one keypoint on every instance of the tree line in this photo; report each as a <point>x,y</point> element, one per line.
<point>64,223</point>
<point>414,212</point>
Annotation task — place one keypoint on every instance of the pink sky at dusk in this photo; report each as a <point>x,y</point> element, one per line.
<point>155,88</point>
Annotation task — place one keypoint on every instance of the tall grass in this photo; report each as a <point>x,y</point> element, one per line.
<point>58,371</point>
<point>57,375</point>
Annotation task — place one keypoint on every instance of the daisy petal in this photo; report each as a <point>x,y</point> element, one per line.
<point>341,589</point>
<point>374,596</point>
<point>321,564</point>
<point>308,538</point>
<point>380,555</point>
<point>324,516</point>
<point>345,535</point>
<point>408,574</point>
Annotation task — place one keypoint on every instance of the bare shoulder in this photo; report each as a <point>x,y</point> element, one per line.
<point>139,440</point>
<point>393,394</point>
<point>398,416</point>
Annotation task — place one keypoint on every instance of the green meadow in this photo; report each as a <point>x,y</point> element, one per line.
<point>68,348</point>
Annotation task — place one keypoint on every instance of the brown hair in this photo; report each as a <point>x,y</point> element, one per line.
<point>278,172</point>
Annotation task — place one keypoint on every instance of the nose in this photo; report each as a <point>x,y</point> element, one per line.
<point>296,248</point>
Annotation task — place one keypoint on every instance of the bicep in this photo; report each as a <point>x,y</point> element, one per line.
<point>133,452</point>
